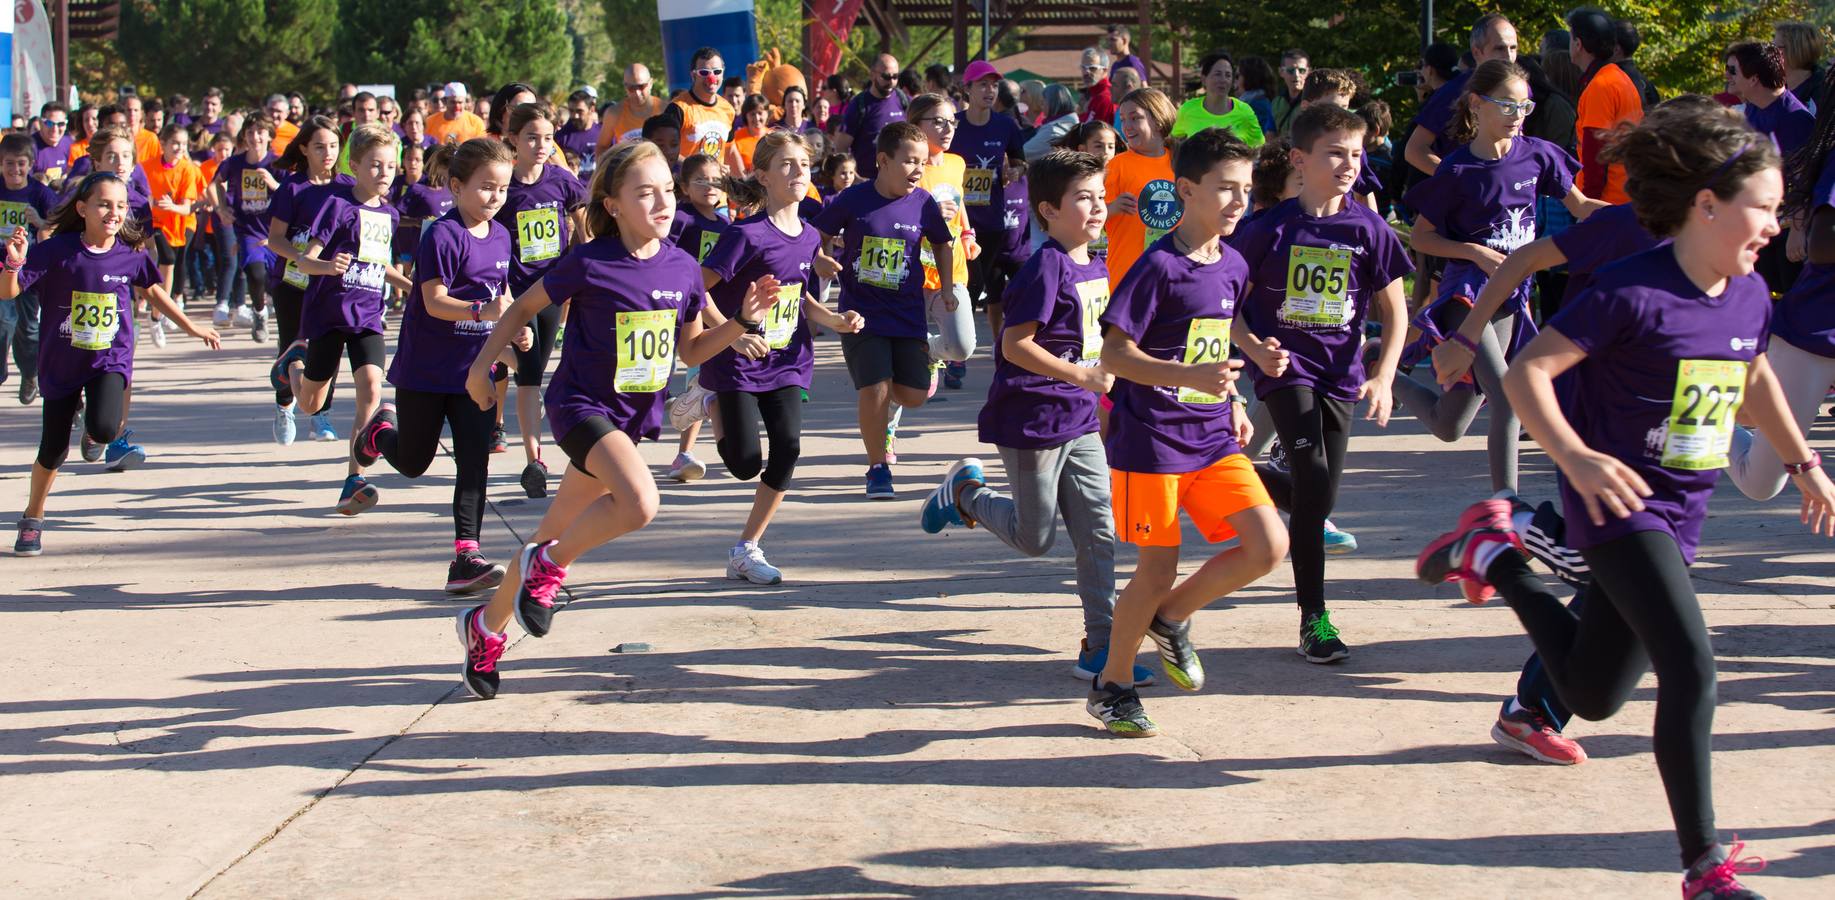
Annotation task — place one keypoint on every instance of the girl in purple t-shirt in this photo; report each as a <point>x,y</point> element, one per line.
<point>636,306</point>
<point>1665,346</point>
<point>85,276</point>
<point>700,218</point>
<point>310,182</point>
<point>241,193</point>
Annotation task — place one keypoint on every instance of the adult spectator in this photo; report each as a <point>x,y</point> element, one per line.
<point>881,104</point>
<point>1098,100</point>
<point>798,117</point>
<point>1625,35</point>
<point>212,117</point>
<point>296,108</point>
<point>733,89</point>
<point>838,90</point>
<point>1060,117</point>
<point>390,112</point>
<point>1493,37</point>
<point>1117,40</point>
<point>704,117</point>
<point>627,117</point>
<point>52,140</point>
<point>580,136</point>
<point>1558,63</point>
<point>1215,108</point>
<point>1294,66</point>
<point>1122,82</point>
<point>364,109</point>
<point>1255,85</point>
<point>1032,103</point>
<point>1755,74</point>
<point>937,79</point>
<point>455,123</point>
<point>146,143</point>
<point>508,97</point>
<point>1607,98</point>
<point>1803,67</point>
<point>347,91</point>
<point>1553,119</point>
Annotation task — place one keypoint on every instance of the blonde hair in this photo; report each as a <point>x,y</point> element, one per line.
<point>749,191</point>
<point>1801,43</point>
<point>609,176</point>
<point>368,137</point>
<point>1157,107</point>
<point>105,136</point>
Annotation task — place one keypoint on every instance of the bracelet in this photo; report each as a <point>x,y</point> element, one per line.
<point>1463,341</point>
<point>1239,400</point>
<point>1814,462</point>
<point>477,311</point>
<point>746,324</point>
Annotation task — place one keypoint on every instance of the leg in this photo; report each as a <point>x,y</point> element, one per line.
<point>53,448</point>
<point>1026,520</point>
<point>738,443</point>
<point>782,412</point>
<point>531,366</point>
<point>955,340</point>
<point>873,411</point>
<point>471,455</point>
<point>1135,609</point>
<point>409,446</point>
<point>1503,432</point>
<point>1089,520</point>
<point>1313,432</point>
<point>1805,378</point>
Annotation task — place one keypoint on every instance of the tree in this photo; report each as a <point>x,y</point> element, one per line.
<point>266,45</point>
<point>592,45</point>
<point>483,43</point>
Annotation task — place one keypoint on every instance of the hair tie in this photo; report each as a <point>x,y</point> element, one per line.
<point>1714,179</point>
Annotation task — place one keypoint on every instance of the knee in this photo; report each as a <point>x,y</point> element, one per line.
<point>1264,549</point>
<point>103,432</point>
<point>643,507</point>
<point>909,398</point>
<point>782,464</point>
<point>1036,541</point>
<point>742,462</point>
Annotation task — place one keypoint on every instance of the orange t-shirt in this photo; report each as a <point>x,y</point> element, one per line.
<point>146,148</point>
<point>208,169</point>
<point>459,130</point>
<point>1156,202</point>
<point>1610,98</point>
<point>284,133</point>
<point>180,184</point>
<point>628,124</point>
<point>705,129</point>
<point>78,150</point>
<point>745,140</point>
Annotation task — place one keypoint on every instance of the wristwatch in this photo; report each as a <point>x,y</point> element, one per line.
<point>1814,462</point>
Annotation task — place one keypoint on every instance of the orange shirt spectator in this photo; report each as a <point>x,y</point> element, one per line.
<point>706,127</point>
<point>628,123</point>
<point>181,183</point>
<point>1156,207</point>
<point>146,148</point>
<point>284,133</point>
<point>458,129</point>
<point>1608,98</point>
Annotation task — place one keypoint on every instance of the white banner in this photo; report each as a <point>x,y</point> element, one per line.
<point>34,81</point>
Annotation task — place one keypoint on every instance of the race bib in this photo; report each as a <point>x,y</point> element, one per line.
<point>781,318</point>
<point>646,351</point>
<point>375,237</point>
<point>882,262</point>
<point>1159,209</point>
<point>55,173</point>
<point>708,240</point>
<point>1318,285</point>
<point>1708,393</point>
<point>293,275</point>
<point>1207,342</point>
<point>978,187</point>
<point>1093,297</point>
<point>14,215</point>
<point>95,319</point>
<point>538,234</point>
<point>254,190</point>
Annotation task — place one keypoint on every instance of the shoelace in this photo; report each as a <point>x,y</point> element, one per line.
<point>544,578</point>
<point>28,534</point>
<point>483,650</point>
<point>1725,876</point>
<point>120,443</point>
<point>1323,629</point>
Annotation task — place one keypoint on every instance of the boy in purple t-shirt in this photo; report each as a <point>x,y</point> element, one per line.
<point>24,203</point>
<point>1174,437</point>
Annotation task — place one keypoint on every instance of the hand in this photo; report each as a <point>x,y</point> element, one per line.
<point>524,339</point>
<point>16,248</point>
<point>340,263</point>
<point>752,346</point>
<point>758,299</point>
<point>273,183</point>
<point>1486,258</point>
<point>1606,485</point>
<point>949,300</point>
<point>1451,361</point>
<point>1212,378</point>
<point>165,204</point>
<point>1123,206</point>
<point>208,335</point>
<point>478,385</point>
<point>1377,391</point>
<point>1095,380</point>
<point>826,267</point>
<point>1797,245</point>
<point>1268,356</point>
<point>852,323</point>
<point>948,208</point>
<point>1818,501</point>
<point>1245,429</point>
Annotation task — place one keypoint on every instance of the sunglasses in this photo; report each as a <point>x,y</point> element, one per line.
<point>57,123</point>
<point>645,87</point>
<point>1294,70</point>
<point>710,73</point>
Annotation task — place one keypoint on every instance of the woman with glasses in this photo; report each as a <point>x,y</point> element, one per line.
<point>1477,208</point>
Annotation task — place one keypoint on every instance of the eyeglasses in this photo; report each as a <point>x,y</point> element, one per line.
<point>888,76</point>
<point>1094,68</point>
<point>939,122</point>
<point>710,73</point>
<point>57,123</point>
<point>1513,108</point>
<point>1294,70</point>
<point>638,88</point>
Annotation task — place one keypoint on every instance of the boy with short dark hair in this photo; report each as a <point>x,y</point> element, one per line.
<point>25,202</point>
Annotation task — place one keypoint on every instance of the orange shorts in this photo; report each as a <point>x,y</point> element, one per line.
<point>1147,505</point>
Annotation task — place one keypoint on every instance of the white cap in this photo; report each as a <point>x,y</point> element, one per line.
<point>456,89</point>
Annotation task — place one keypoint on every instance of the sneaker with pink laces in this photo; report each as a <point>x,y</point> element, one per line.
<point>1530,733</point>
<point>1715,876</point>
<point>482,650</point>
<point>1452,556</point>
<point>541,581</point>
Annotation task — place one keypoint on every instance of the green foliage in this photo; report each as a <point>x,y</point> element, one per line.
<point>637,37</point>
<point>592,45</point>
<point>486,43</point>
<point>250,48</point>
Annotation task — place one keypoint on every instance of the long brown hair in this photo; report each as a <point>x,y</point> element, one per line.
<point>67,217</point>
<point>609,176</point>
<point>749,191</point>
<point>1488,77</point>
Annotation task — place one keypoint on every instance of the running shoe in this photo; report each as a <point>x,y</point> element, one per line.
<point>690,408</point>
<point>953,373</point>
<point>1277,457</point>
<point>498,444</point>
<point>286,428</point>
<point>879,483</point>
<point>1091,662</point>
<point>1453,556</point>
<point>541,581</point>
<point>1545,539</point>
<point>258,330</point>
<point>220,316</point>
<point>687,468</point>
<point>30,541</point>
<point>1715,876</point>
<point>244,317</point>
<point>535,480</point>
<point>898,413</point>
<point>156,328</point>
<point>357,496</point>
<point>936,369</point>
<point>1177,655</point>
<point>363,449</point>
<point>1319,641</point>
<point>321,429</point>
<point>279,378</point>
<point>940,510</point>
<point>28,389</point>
<point>1338,543</point>
<point>747,563</point>
<point>470,573</point>
<point>122,456</point>
<point>482,651</point>
<point>92,451</point>
<point>1119,710</point>
<point>1530,733</point>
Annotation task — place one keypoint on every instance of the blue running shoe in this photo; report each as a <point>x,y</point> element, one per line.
<point>321,429</point>
<point>1338,543</point>
<point>285,427</point>
<point>1091,662</point>
<point>357,496</point>
<point>940,510</point>
<point>122,456</point>
<point>278,375</point>
<point>879,483</point>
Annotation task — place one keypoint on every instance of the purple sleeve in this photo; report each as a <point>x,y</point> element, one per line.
<point>1589,243</point>
<point>696,299</point>
<point>932,224</point>
<point>576,194</point>
<point>1597,319</point>
<point>44,200</point>
<point>326,222</point>
<point>146,273</point>
<point>1434,198</point>
<point>731,252</point>
<point>437,258</point>
<point>566,278</point>
<point>38,261</point>
<point>1388,258</point>
<point>281,206</point>
<point>1558,171</point>
<point>1032,293</point>
<point>1253,242</point>
<point>835,216</point>
<point>1824,193</point>
<point>1132,304</point>
<point>852,116</point>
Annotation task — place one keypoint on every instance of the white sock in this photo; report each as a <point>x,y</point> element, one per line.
<point>1514,706</point>
<point>743,546</point>
<point>1487,554</point>
<point>1520,522</point>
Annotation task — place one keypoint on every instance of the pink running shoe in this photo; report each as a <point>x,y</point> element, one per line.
<point>1450,557</point>
<point>541,581</point>
<point>482,650</point>
<point>1715,876</point>
<point>1530,733</point>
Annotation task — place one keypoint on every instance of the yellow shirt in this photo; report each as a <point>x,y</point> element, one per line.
<point>944,182</point>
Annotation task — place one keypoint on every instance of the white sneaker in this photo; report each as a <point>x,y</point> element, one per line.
<point>286,428</point>
<point>687,468</point>
<point>158,328</point>
<point>691,407</point>
<point>167,325</point>
<point>747,563</point>
<point>220,316</point>
<point>259,330</point>
<point>244,316</point>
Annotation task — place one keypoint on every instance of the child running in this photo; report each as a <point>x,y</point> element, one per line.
<point>85,276</point>
<point>637,304</point>
<point>1143,204</point>
<point>1667,346</point>
<point>25,202</point>
<point>312,181</point>
<point>243,191</point>
<point>1175,435</point>
<point>700,218</point>
<point>1322,264</point>
<point>953,313</point>
<point>174,183</point>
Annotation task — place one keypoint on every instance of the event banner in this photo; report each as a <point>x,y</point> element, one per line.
<point>688,25</point>
<point>828,29</point>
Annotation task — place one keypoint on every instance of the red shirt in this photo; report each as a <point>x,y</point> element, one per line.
<point>1101,103</point>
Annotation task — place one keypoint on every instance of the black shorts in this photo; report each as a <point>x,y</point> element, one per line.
<point>532,364</point>
<point>579,440</point>
<point>874,358</point>
<point>163,252</point>
<point>322,352</point>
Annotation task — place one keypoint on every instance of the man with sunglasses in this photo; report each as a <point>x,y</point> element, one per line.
<point>625,119</point>
<point>1295,65</point>
<point>704,116</point>
<point>881,104</point>
<point>1099,99</point>
<point>52,143</point>
<point>1493,37</point>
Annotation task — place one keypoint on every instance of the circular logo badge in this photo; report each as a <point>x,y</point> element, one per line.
<point>1159,205</point>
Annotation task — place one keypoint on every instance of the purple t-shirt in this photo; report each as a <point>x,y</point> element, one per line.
<point>247,194</point>
<point>35,196</point>
<point>1805,318</point>
<point>581,142</point>
<point>50,157</point>
<point>624,333</point>
<point>1491,202</point>
<point>864,116</point>
<point>694,232</point>
<point>433,354</point>
<point>420,204</point>
<point>1786,121</point>
<point>746,252</point>
<point>1437,112</point>
<point>880,274</point>
<point>1178,310</point>
<point>985,150</point>
<point>1065,298</point>
<point>1347,257</point>
<point>1654,390</point>
<point>98,336</point>
<point>536,217</point>
<point>351,302</point>
<point>1608,235</point>
<point>1015,235</point>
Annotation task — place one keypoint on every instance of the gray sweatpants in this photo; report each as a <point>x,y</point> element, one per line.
<point>1449,414</point>
<point>1071,480</point>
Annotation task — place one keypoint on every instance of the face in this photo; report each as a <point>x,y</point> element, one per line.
<point>136,113</point>
<point>258,143</point>
<point>1220,79</point>
<point>1093,69</point>
<point>1501,113</point>
<point>787,178</point>
<point>900,172</point>
<point>708,74</point>
<point>940,127</point>
<point>757,119</point>
<point>412,166</point>
<point>376,170</point>
<point>453,104</point>
<point>1221,197</point>
<point>1124,81</point>
<point>213,107</point>
<point>846,175</point>
<point>1335,160</point>
<point>116,120</point>
<point>364,112</point>
<point>415,125</point>
<point>116,157</point>
<point>637,84</point>
<point>176,147</point>
<point>387,109</point>
<point>704,188</point>
<point>644,204</point>
<point>54,126</point>
<point>296,107</point>
<point>1499,44</point>
<point>1738,83</point>
<point>1100,145</point>
<point>983,93</point>
<point>481,107</point>
<point>1293,72</point>
<point>535,143</point>
<point>16,169</point>
<point>1738,229</point>
<point>885,74</point>
<point>482,195</point>
<point>822,107</point>
<point>1081,212</point>
<point>735,94</point>
<point>582,111</point>
<point>793,107</point>
<point>222,148</point>
<point>668,137</point>
<point>88,115</point>
<point>106,210</point>
<point>322,151</point>
<point>1137,128</point>
<point>277,110</point>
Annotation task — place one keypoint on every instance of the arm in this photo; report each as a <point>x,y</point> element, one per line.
<point>277,240</point>
<point>1124,358</point>
<point>1018,341</point>
<point>15,258</point>
<point>1822,236</point>
<point>1267,355</point>
<point>1377,384</point>
<point>1602,481</point>
<point>702,344</point>
<point>1427,239</point>
<point>1453,359</point>
<point>162,301</point>
<point>441,305</point>
<point>1770,413</point>
<point>509,327</point>
<point>849,322</point>
<point>1580,205</point>
<point>1420,151</point>
<point>945,253</point>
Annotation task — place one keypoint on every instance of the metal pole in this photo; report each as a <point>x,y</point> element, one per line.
<point>984,29</point>
<point>61,48</point>
<point>1427,24</point>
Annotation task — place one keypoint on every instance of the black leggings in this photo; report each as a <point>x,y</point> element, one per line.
<point>288,301</point>
<point>532,364</point>
<point>411,445</point>
<point>1313,430</point>
<point>104,401</point>
<point>740,412</point>
<point>256,274</point>
<point>1640,611</point>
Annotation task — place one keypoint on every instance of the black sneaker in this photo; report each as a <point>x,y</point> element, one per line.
<point>535,480</point>
<point>1119,710</point>
<point>363,449</point>
<point>28,390</point>
<point>481,654</point>
<point>470,573</point>
<point>30,539</point>
<point>92,451</point>
<point>1177,655</point>
<point>541,583</point>
<point>1319,641</point>
<point>498,444</point>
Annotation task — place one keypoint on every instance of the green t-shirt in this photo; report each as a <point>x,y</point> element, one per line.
<point>1240,121</point>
